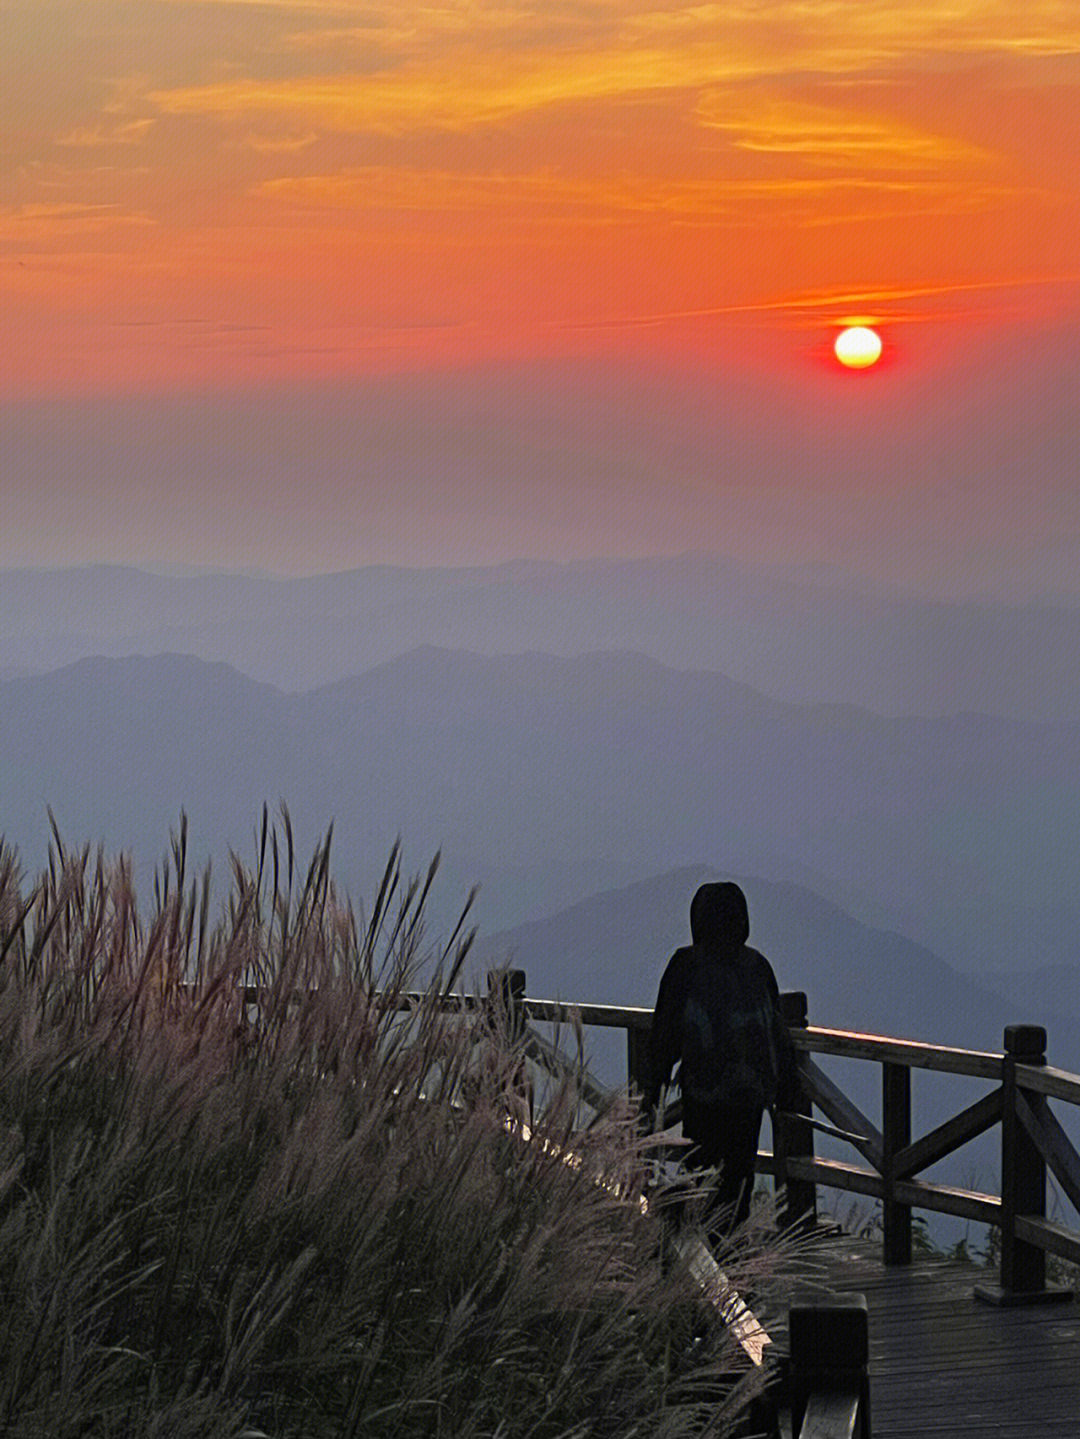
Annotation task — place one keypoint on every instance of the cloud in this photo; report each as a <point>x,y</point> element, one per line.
<point>546,195</point>
<point>559,196</point>
<point>279,144</point>
<point>380,37</point>
<point>829,136</point>
<point>834,36</point>
<point>452,95</point>
<point>429,29</point>
<point>457,66</point>
<point>131,132</point>
<point>41,223</point>
<point>835,304</point>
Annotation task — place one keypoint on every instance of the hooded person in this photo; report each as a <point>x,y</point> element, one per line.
<point>718,1018</point>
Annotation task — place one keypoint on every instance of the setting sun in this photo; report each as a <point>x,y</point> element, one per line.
<point>858,347</point>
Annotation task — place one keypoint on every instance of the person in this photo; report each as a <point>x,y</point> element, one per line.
<point>718,1017</point>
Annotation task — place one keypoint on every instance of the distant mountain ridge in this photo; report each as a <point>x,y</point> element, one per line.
<point>805,636</point>
<point>583,771</point>
<point>612,947</point>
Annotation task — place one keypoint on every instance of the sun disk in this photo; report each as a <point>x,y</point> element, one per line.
<point>858,347</point>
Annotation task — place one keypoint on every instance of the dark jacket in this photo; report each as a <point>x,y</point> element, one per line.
<point>718,965</point>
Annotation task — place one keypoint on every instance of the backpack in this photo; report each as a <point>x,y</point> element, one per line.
<point>729,1043</point>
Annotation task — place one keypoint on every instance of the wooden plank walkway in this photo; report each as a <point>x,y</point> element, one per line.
<point>944,1364</point>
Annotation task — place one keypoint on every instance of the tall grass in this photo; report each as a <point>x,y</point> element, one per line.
<point>309,1217</point>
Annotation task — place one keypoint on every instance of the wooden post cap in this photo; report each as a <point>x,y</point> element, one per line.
<point>793,1008</point>
<point>510,981</point>
<point>1025,1041</point>
<point>830,1337</point>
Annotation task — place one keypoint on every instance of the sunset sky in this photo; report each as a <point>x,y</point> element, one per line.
<point>309,283</point>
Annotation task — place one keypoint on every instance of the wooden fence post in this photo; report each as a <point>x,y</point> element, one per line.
<point>896,1133</point>
<point>1023,1184</point>
<point>830,1352</point>
<point>506,996</point>
<point>794,1138</point>
<point>506,987</point>
<point>637,1059</point>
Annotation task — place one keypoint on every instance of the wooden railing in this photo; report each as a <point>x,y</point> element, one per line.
<point>823,1380</point>
<point>828,1350</point>
<point>1033,1141</point>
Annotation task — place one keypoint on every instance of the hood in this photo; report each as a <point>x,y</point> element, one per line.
<point>719,918</point>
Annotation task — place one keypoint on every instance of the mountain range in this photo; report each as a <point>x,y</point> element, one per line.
<point>549,778</point>
<point>611,949</point>
<point>913,875</point>
<point>804,635</point>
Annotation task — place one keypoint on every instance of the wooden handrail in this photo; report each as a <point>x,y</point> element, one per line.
<point>911,1053</point>
<point>1033,1140</point>
<point>1034,1143</point>
<point>1055,1083</point>
<point>600,1016</point>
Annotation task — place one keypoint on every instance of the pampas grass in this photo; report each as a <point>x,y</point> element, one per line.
<point>315,1214</point>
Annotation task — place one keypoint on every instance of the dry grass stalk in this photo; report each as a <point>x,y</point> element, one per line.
<point>307,1217</point>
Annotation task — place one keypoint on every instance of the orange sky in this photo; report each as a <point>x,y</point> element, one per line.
<point>230,192</point>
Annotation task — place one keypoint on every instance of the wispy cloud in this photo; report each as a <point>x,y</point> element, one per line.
<point>462,65</point>
<point>834,304</point>
<point>278,144</point>
<point>515,195</point>
<point>615,199</point>
<point>90,137</point>
<point>458,94</point>
<point>1038,26</point>
<point>807,36</point>
<point>829,136</point>
<point>41,222</point>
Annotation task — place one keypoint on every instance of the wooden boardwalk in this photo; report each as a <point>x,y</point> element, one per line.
<point>943,1363</point>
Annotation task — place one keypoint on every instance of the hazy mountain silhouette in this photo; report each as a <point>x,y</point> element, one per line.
<point>804,635</point>
<point>118,747</point>
<point>612,947</point>
<point>1049,989</point>
<point>581,772</point>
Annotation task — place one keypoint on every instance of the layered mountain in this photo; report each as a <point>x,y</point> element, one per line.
<point>550,778</point>
<point>805,636</point>
<point>612,948</point>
